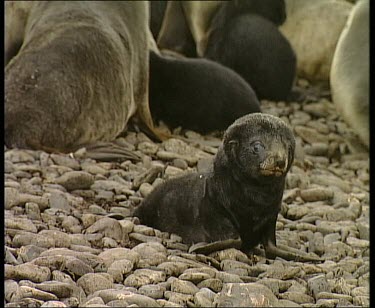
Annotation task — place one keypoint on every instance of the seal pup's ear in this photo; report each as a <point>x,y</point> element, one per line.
<point>231,144</point>
<point>232,148</point>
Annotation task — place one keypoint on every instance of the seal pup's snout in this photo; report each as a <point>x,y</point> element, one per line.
<point>280,163</point>
<point>274,165</point>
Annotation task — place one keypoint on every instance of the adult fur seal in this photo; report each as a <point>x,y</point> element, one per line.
<point>241,196</point>
<point>350,71</point>
<point>16,14</point>
<point>80,75</point>
<point>197,94</point>
<point>313,29</point>
<point>244,36</point>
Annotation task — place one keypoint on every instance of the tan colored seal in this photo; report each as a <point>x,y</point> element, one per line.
<point>350,74</point>
<point>80,75</point>
<point>313,29</point>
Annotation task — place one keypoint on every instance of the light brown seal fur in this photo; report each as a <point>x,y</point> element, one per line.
<point>187,23</point>
<point>350,74</point>
<point>80,75</point>
<point>313,28</point>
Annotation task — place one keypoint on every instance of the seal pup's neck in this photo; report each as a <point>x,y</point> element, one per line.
<point>248,191</point>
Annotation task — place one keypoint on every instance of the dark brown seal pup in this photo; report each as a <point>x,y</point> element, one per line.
<point>197,94</point>
<point>240,197</point>
<point>80,75</point>
<point>244,36</point>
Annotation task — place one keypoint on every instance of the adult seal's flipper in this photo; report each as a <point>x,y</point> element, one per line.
<point>109,151</point>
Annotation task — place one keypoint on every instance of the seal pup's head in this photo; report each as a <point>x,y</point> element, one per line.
<point>259,146</point>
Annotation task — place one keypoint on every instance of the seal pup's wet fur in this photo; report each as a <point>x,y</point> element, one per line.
<point>241,196</point>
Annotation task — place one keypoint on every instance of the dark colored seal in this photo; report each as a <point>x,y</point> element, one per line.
<point>80,74</point>
<point>197,94</point>
<point>244,36</point>
<point>241,196</point>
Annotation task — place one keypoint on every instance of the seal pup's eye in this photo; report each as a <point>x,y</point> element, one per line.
<point>257,147</point>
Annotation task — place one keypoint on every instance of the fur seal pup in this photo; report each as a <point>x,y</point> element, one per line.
<point>350,72</point>
<point>313,29</point>
<point>241,196</point>
<point>197,94</point>
<point>80,75</point>
<point>244,37</point>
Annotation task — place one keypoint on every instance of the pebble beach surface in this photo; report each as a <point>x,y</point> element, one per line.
<point>70,239</point>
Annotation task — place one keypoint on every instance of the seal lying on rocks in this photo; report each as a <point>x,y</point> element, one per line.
<point>241,35</point>
<point>241,196</point>
<point>197,94</point>
<point>244,37</point>
<point>80,75</point>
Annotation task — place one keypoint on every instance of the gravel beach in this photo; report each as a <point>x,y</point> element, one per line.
<point>70,239</point>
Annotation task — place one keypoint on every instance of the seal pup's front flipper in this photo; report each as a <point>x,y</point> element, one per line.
<point>207,248</point>
<point>289,253</point>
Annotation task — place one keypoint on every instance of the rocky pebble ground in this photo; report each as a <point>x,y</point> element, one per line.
<point>70,239</point>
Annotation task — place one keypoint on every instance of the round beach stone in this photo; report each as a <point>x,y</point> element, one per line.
<point>245,294</point>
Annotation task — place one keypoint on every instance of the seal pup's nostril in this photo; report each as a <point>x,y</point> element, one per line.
<point>280,163</point>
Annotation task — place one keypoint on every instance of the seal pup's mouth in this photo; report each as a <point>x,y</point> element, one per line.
<point>272,172</point>
<point>273,166</point>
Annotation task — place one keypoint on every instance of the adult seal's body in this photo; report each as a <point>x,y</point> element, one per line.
<point>350,71</point>
<point>81,72</point>
<point>241,196</point>
<point>197,94</point>
<point>313,29</point>
<point>174,33</point>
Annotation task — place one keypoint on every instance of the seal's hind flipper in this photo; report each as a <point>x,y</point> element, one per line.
<point>110,152</point>
<point>290,254</point>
